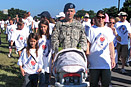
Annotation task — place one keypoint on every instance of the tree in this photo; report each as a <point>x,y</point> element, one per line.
<point>112,11</point>
<point>3,16</point>
<point>13,12</point>
<point>127,8</point>
<point>82,12</point>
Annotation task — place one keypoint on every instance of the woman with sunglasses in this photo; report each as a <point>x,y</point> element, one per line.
<point>101,53</point>
<point>117,37</point>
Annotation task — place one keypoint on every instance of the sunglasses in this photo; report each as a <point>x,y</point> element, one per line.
<point>112,22</point>
<point>86,17</point>
<point>103,17</point>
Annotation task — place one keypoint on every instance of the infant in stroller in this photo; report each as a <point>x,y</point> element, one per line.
<point>70,68</point>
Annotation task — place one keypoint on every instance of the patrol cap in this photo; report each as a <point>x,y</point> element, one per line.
<point>68,6</point>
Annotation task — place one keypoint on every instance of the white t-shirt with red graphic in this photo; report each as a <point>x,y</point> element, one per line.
<point>9,30</point>
<point>26,22</point>
<point>44,47</point>
<point>36,23</point>
<point>30,21</point>
<point>123,28</point>
<point>99,38</point>
<point>32,63</point>
<point>20,39</point>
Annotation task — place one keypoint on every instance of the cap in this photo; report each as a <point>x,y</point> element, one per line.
<point>122,14</point>
<point>45,14</point>
<point>61,14</point>
<point>106,18</point>
<point>86,16</point>
<point>69,6</point>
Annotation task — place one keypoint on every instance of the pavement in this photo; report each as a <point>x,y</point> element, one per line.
<point>117,78</point>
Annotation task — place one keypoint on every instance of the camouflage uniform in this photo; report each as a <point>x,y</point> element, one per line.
<point>68,35</point>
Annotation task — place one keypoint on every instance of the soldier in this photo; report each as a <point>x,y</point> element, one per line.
<point>69,33</point>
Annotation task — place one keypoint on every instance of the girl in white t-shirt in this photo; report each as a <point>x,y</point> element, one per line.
<point>30,62</point>
<point>44,46</point>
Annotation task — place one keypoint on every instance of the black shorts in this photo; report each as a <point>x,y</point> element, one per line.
<point>10,44</point>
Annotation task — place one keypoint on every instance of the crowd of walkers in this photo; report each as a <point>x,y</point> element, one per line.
<point>105,41</point>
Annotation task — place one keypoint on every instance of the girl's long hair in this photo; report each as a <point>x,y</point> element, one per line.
<point>39,28</point>
<point>34,36</point>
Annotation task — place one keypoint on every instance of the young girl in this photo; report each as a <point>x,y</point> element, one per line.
<point>44,46</point>
<point>30,62</point>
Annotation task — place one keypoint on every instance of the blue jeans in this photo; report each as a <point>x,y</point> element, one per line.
<point>42,80</point>
<point>104,75</point>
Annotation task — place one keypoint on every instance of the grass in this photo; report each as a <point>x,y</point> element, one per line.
<point>10,75</point>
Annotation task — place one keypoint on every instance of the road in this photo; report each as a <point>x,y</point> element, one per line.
<point>121,80</point>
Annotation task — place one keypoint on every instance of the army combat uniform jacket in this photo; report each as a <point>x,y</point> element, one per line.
<point>68,35</point>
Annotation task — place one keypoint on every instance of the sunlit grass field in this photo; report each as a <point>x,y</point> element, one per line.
<point>10,75</point>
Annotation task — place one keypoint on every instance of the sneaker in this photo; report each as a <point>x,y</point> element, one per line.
<point>123,71</point>
<point>16,52</point>
<point>9,55</point>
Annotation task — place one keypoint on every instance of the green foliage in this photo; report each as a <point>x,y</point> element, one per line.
<point>112,11</point>
<point>82,12</point>
<point>3,16</point>
<point>12,12</point>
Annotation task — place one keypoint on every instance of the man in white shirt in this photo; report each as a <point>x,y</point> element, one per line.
<point>101,52</point>
<point>60,16</point>
<point>124,30</point>
<point>86,22</point>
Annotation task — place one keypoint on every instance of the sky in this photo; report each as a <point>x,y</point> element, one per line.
<point>56,6</point>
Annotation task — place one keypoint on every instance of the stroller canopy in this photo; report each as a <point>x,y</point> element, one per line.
<point>70,57</point>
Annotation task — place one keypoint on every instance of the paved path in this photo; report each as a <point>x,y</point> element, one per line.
<point>121,80</point>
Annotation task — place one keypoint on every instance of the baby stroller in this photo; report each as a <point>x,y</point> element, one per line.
<point>70,68</point>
